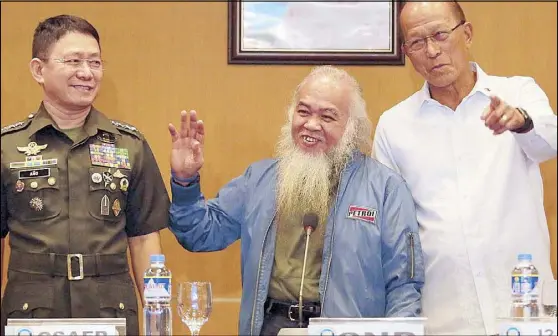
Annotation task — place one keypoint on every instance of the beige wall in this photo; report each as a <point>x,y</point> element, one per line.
<point>164,57</point>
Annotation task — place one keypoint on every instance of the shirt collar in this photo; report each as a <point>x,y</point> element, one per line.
<point>482,85</point>
<point>94,122</point>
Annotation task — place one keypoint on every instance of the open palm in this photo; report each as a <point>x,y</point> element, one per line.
<point>187,145</point>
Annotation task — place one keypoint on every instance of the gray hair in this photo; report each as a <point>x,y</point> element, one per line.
<point>358,122</point>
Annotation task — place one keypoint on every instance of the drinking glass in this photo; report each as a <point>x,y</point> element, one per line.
<point>194,304</point>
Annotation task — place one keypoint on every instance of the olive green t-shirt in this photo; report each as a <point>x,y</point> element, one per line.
<point>289,256</point>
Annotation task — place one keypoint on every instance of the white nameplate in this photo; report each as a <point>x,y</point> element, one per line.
<point>533,326</point>
<point>366,326</point>
<point>61,330</point>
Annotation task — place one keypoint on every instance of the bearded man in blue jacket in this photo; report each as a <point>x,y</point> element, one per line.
<point>364,257</point>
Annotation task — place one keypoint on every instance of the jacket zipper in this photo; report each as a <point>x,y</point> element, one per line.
<point>412,248</point>
<point>259,272</point>
<point>330,251</point>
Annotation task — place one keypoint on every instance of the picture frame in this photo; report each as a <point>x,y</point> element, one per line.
<point>298,32</point>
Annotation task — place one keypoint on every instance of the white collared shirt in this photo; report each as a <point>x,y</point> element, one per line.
<point>479,196</point>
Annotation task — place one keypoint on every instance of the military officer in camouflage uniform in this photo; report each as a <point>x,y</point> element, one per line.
<point>78,189</point>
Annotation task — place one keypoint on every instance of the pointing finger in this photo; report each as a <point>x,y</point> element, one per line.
<point>495,101</point>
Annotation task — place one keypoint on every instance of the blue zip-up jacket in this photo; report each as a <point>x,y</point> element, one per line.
<point>370,268</point>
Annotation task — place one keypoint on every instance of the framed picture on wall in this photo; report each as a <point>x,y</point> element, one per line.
<point>321,32</point>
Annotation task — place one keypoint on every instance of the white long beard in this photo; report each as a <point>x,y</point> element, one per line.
<point>307,182</point>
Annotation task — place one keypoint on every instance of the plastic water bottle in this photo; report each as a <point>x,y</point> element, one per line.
<point>525,299</point>
<point>157,315</point>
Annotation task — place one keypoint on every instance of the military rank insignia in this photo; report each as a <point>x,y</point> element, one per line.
<point>12,126</point>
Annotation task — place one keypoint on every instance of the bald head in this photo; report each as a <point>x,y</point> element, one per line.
<point>411,8</point>
<point>454,7</point>
<point>437,40</point>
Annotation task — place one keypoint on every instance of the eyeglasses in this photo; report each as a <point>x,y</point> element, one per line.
<point>439,36</point>
<point>94,64</point>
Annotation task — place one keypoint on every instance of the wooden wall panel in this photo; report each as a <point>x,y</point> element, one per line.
<point>164,57</point>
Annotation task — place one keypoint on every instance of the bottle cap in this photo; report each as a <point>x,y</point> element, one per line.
<point>157,258</point>
<point>525,256</point>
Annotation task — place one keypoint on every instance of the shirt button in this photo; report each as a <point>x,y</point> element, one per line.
<point>121,306</point>
<point>25,306</point>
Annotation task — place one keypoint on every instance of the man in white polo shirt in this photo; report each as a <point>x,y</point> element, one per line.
<point>469,145</point>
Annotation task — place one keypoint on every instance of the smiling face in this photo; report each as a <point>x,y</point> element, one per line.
<point>440,63</point>
<point>69,81</point>
<point>320,116</point>
<point>326,123</point>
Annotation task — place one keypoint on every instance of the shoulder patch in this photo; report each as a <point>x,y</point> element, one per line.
<point>15,126</point>
<point>126,128</point>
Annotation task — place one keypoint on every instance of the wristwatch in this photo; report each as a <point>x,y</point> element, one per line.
<point>527,126</point>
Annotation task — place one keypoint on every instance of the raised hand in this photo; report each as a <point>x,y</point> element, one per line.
<point>187,145</point>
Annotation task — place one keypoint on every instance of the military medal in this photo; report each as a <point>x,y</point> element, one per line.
<point>96,178</point>
<point>32,148</point>
<point>116,207</point>
<point>124,183</point>
<point>105,205</point>
<point>33,161</point>
<point>118,174</point>
<point>19,186</point>
<point>36,204</point>
<point>51,181</point>
<point>122,158</point>
<point>108,155</point>
<point>107,177</point>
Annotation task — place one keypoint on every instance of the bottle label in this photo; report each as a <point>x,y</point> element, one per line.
<point>157,287</point>
<point>524,284</point>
